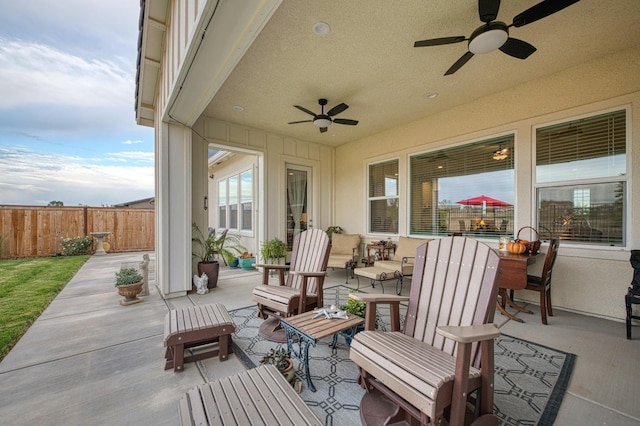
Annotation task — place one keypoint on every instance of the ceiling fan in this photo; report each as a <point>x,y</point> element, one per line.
<point>323,120</point>
<point>495,34</point>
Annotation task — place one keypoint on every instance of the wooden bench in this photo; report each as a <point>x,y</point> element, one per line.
<point>260,396</point>
<point>196,326</point>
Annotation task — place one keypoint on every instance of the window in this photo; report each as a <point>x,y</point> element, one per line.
<point>383,197</point>
<point>467,189</point>
<point>235,202</point>
<point>246,200</point>
<point>581,179</point>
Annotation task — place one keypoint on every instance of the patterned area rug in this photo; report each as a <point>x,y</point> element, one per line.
<point>530,379</point>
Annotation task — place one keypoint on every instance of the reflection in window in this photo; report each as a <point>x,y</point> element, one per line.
<point>235,200</point>
<point>383,197</point>
<point>567,156</point>
<point>467,189</point>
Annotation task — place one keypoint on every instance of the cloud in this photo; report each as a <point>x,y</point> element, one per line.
<point>28,177</point>
<point>132,142</point>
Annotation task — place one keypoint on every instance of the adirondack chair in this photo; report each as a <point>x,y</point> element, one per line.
<point>301,290</point>
<point>426,372</point>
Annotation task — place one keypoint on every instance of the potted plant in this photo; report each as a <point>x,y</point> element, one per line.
<point>204,249</point>
<point>246,260</point>
<point>273,250</point>
<point>334,230</point>
<point>355,307</point>
<point>279,357</point>
<point>129,284</point>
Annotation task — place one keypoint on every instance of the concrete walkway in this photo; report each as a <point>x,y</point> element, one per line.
<point>89,360</point>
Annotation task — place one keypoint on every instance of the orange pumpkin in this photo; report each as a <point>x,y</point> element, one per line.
<point>516,247</point>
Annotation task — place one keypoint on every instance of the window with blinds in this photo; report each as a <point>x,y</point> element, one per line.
<point>581,179</point>
<point>467,189</point>
<point>235,201</point>
<point>383,198</point>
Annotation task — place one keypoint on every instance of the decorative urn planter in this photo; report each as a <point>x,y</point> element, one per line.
<point>129,284</point>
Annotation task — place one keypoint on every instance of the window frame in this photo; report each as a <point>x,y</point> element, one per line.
<point>370,198</point>
<point>228,206</point>
<point>626,178</point>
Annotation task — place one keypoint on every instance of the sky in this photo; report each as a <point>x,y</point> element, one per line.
<point>67,93</point>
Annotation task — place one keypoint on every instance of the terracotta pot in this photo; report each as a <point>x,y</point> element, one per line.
<point>130,293</point>
<point>289,373</point>
<point>211,269</point>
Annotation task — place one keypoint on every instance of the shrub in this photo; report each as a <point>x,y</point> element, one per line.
<point>126,276</point>
<point>76,246</point>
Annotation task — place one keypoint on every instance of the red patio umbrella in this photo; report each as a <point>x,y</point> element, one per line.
<point>483,200</point>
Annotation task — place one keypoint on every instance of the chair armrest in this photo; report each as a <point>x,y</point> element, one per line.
<point>268,267</point>
<point>406,259</point>
<point>372,300</point>
<point>271,266</point>
<point>378,298</point>
<point>308,273</point>
<point>470,333</point>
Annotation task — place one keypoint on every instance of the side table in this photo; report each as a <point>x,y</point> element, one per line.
<point>383,249</point>
<point>308,330</point>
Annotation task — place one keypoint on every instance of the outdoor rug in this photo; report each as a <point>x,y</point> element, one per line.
<point>530,379</point>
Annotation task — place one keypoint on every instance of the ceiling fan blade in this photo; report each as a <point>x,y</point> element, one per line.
<point>345,121</point>
<point>303,121</point>
<point>459,63</point>
<point>305,110</point>
<point>488,10</point>
<point>337,109</point>
<point>541,10</point>
<point>439,41</point>
<point>323,129</point>
<point>517,48</point>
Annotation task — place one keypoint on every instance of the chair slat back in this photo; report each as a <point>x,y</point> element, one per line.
<point>549,261</point>
<point>454,283</point>
<point>310,253</point>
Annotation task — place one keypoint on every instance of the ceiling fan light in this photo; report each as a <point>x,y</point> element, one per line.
<point>322,122</point>
<point>488,37</point>
<point>501,154</point>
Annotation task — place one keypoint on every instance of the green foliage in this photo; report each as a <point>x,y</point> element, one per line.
<point>27,286</point>
<point>276,356</point>
<point>334,230</point>
<point>56,203</point>
<point>206,248</point>
<point>273,250</point>
<point>76,246</point>
<point>355,307</point>
<point>126,276</point>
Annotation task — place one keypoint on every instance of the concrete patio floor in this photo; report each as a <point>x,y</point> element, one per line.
<point>88,360</point>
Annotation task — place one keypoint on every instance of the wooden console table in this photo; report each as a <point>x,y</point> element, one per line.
<point>514,277</point>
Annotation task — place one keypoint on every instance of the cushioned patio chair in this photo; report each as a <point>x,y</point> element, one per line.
<point>404,256</point>
<point>445,352</point>
<point>301,290</point>
<point>345,250</point>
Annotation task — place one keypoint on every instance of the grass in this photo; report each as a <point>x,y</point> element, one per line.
<point>27,286</point>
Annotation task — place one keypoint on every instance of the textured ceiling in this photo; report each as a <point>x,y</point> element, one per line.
<point>368,60</point>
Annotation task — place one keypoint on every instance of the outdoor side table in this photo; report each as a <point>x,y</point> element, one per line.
<point>308,330</point>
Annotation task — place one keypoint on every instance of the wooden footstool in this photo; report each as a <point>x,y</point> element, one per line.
<point>260,396</point>
<point>196,326</point>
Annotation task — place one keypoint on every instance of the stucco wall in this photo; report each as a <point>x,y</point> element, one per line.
<point>591,280</point>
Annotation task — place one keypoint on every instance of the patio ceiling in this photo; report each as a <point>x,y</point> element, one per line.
<point>368,61</point>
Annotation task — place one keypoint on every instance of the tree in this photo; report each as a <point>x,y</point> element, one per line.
<point>56,203</point>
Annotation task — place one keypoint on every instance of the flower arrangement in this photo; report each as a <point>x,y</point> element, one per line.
<point>76,246</point>
<point>246,255</point>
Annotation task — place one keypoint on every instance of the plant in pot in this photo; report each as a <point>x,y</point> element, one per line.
<point>129,284</point>
<point>247,260</point>
<point>228,247</point>
<point>279,357</point>
<point>273,250</point>
<point>355,307</point>
<point>205,249</point>
<point>335,229</point>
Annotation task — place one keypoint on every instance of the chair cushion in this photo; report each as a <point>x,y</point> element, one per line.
<point>533,280</point>
<point>339,260</point>
<point>406,247</point>
<point>396,265</point>
<point>344,244</point>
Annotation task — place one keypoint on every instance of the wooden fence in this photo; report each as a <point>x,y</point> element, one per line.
<point>37,231</point>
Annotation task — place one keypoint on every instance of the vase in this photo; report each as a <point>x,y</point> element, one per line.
<point>289,373</point>
<point>247,264</point>
<point>212,270</point>
<point>130,293</point>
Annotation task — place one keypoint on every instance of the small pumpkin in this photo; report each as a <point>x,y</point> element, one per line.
<point>516,247</point>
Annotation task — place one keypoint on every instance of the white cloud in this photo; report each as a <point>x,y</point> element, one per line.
<point>132,142</point>
<point>31,178</point>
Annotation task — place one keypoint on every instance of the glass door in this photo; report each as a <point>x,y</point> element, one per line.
<point>299,214</point>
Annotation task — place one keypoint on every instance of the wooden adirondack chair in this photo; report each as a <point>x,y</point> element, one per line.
<point>301,290</point>
<point>426,372</point>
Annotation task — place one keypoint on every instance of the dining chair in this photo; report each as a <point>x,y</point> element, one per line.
<point>542,283</point>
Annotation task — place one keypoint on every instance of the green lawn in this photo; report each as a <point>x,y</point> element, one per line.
<point>27,286</point>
